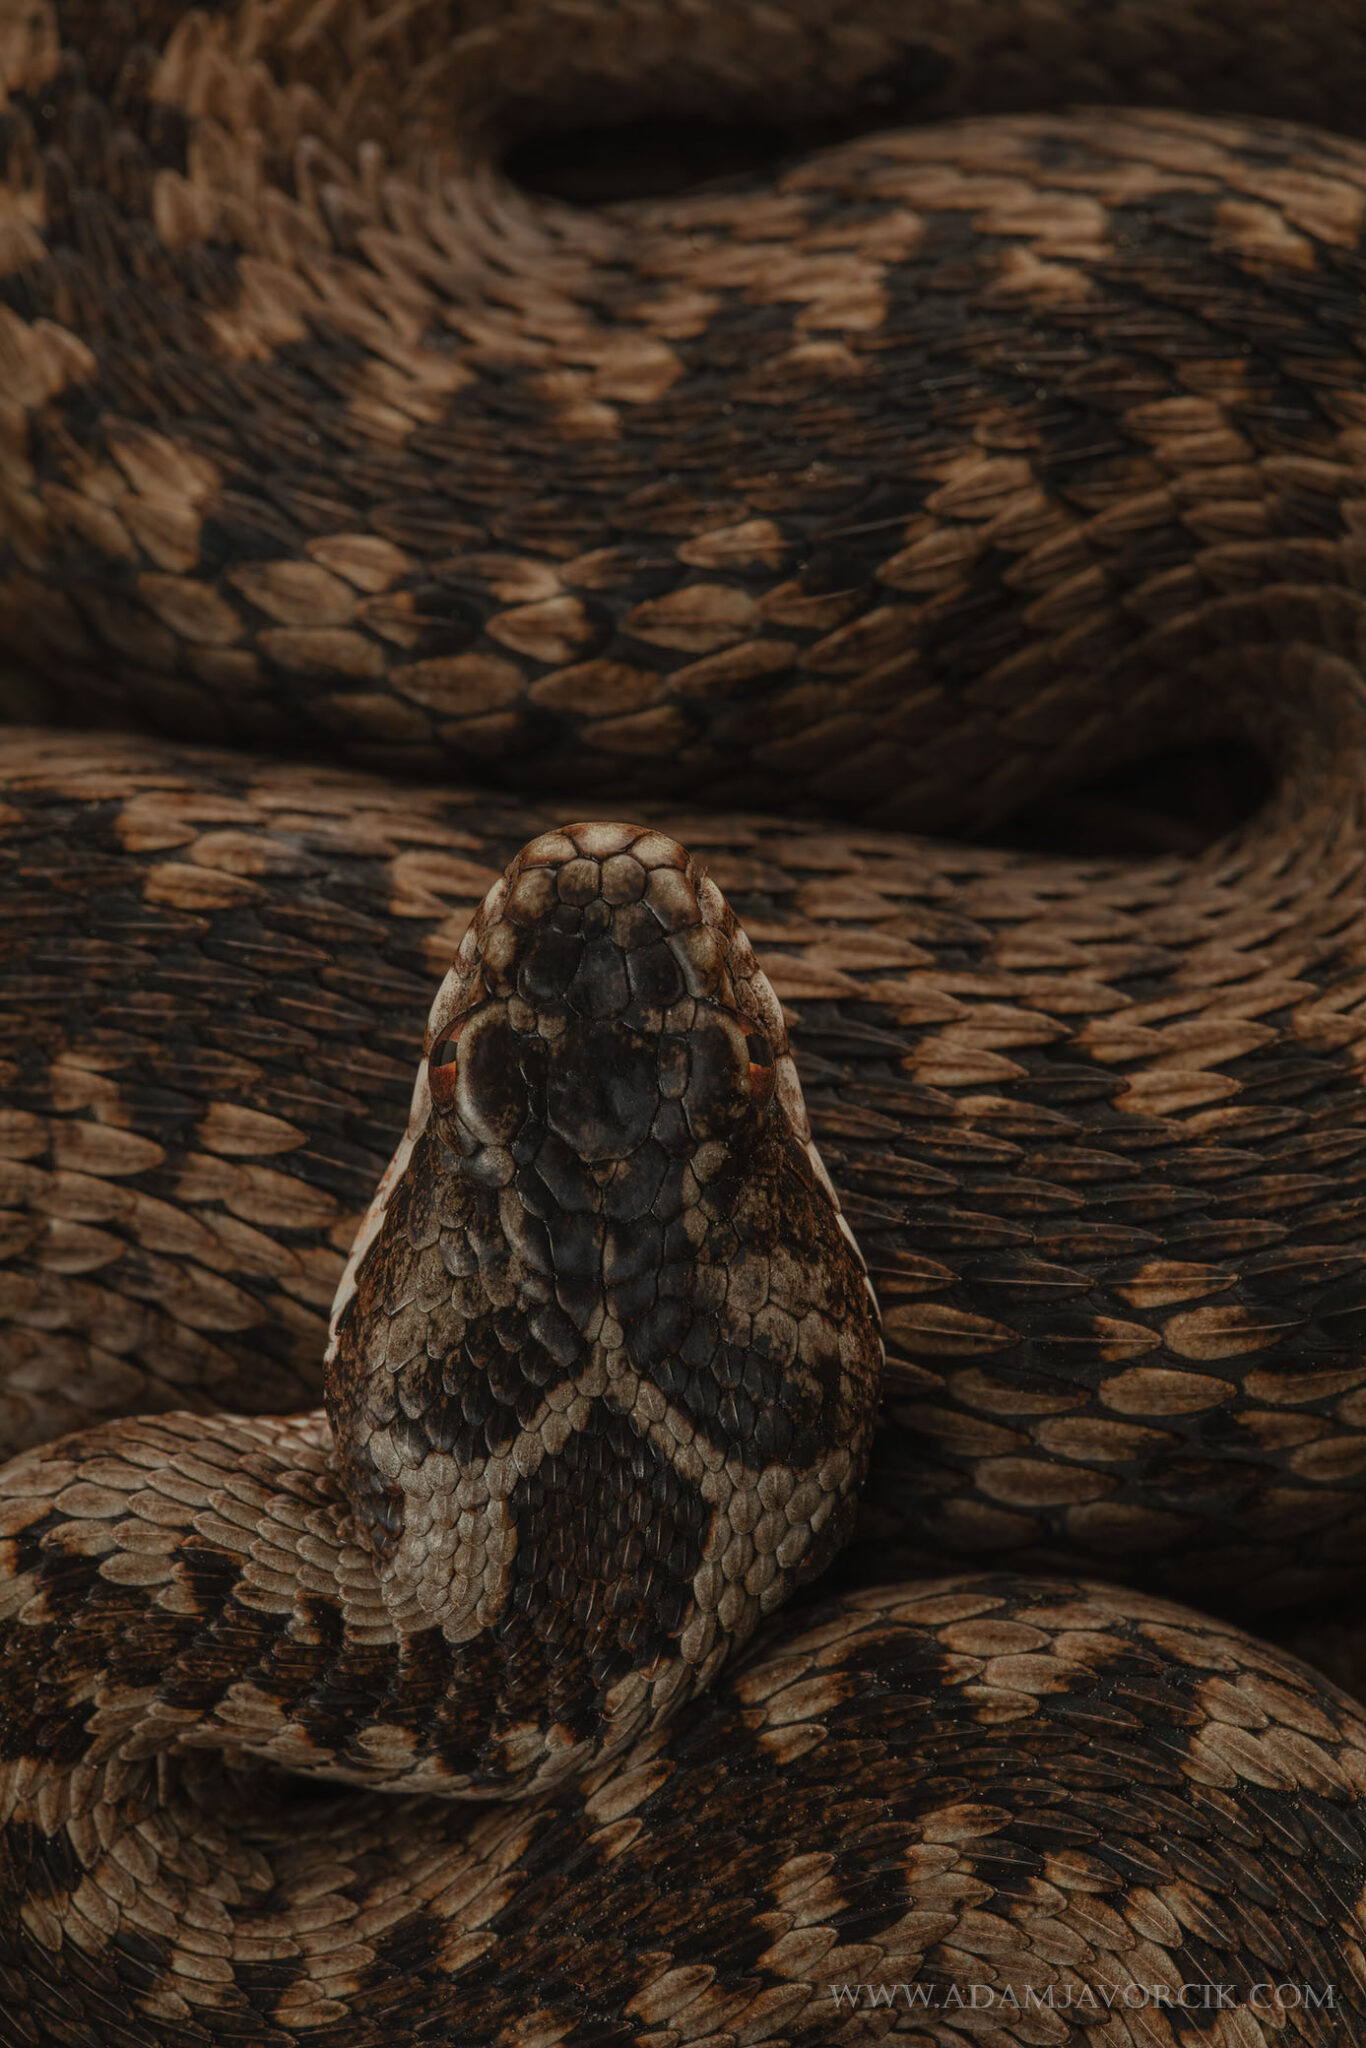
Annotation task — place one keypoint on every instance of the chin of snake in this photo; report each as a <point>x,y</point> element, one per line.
<point>924,476</point>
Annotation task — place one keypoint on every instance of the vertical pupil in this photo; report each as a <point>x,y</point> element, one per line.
<point>444,1054</point>
<point>759,1053</point>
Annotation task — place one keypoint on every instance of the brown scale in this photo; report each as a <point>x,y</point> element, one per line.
<point>913,486</point>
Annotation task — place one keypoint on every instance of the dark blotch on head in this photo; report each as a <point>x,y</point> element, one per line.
<point>599,986</point>
<point>717,1095</point>
<point>548,964</point>
<point>602,1090</point>
<point>656,976</point>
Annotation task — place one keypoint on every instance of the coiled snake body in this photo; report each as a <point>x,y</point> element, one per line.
<point>932,475</point>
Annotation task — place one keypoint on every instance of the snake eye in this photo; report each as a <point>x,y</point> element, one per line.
<point>443,1068</point>
<point>761,1075</point>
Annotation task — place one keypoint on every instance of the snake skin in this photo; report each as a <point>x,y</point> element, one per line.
<point>928,477</point>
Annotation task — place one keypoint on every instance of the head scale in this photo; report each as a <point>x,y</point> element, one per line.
<point>604,1357</point>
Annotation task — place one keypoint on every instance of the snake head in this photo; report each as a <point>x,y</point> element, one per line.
<point>606,1005</point>
<point>605,1356</point>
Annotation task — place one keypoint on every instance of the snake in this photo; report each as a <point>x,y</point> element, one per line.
<point>796,1477</point>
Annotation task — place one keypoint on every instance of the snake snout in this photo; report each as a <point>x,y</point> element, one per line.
<point>600,921</point>
<point>604,994</point>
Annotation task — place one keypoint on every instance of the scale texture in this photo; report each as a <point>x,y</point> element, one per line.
<point>409,515</point>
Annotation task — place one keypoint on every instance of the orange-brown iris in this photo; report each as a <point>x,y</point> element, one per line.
<point>761,1069</point>
<point>443,1067</point>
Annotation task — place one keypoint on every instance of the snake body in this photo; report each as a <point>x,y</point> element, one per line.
<point>938,472</point>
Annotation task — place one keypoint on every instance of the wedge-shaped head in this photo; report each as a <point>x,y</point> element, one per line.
<point>605,1356</point>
